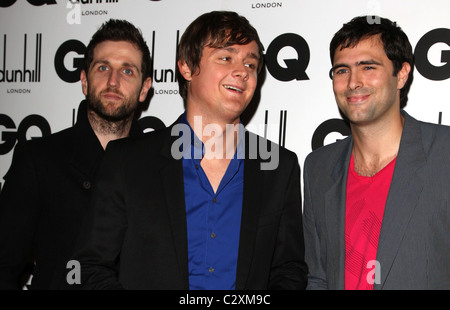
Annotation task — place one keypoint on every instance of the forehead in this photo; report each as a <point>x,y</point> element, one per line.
<point>246,50</point>
<point>119,51</point>
<point>367,48</point>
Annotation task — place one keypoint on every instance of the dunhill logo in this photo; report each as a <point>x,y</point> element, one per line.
<point>23,74</point>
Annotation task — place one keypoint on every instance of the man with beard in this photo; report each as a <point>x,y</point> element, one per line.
<point>48,186</point>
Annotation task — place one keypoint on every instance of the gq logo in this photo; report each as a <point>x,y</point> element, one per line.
<point>74,49</point>
<point>294,68</point>
<point>423,65</point>
<point>7,3</point>
<point>9,138</point>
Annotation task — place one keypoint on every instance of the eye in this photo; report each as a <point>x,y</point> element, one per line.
<point>251,65</point>
<point>368,68</point>
<point>340,71</point>
<point>102,68</point>
<point>128,71</point>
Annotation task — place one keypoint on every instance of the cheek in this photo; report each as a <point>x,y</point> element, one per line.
<point>95,83</point>
<point>339,88</point>
<point>385,86</point>
<point>252,83</point>
<point>205,82</point>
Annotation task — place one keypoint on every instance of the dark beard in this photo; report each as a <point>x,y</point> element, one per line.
<point>123,112</point>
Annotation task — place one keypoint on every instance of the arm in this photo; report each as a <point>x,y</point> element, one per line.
<point>317,274</point>
<point>289,270</point>
<point>19,211</point>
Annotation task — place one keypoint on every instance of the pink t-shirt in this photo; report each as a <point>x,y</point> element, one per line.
<point>366,198</point>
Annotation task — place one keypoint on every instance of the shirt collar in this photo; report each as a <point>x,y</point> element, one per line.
<point>198,147</point>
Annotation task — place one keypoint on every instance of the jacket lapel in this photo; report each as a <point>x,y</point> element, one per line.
<point>86,148</point>
<point>335,201</point>
<point>251,205</point>
<point>171,175</point>
<point>404,193</point>
<point>87,152</point>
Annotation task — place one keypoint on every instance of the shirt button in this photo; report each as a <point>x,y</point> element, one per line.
<point>211,269</point>
<point>87,184</point>
<point>214,200</point>
<point>213,235</point>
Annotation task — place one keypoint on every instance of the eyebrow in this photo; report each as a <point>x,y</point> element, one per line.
<point>235,51</point>
<point>368,62</point>
<point>359,63</point>
<point>106,62</point>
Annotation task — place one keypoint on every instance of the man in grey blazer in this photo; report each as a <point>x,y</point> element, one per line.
<point>376,203</point>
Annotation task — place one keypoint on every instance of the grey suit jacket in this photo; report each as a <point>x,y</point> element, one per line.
<point>414,244</point>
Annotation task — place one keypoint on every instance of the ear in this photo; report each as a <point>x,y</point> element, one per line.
<point>184,70</point>
<point>402,75</point>
<point>144,89</point>
<point>84,83</point>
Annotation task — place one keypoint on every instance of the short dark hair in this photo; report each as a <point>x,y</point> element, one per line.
<point>215,29</point>
<point>395,42</point>
<point>120,30</point>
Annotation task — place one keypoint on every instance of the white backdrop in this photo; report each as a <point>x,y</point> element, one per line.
<point>42,41</point>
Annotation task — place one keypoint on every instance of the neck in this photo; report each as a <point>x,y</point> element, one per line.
<point>375,146</point>
<point>109,130</point>
<point>219,137</point>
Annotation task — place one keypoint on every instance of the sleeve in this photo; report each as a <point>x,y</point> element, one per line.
<point>289,270</point>
<point>19,211</point>
<point>316,275</point>
<point>99,245</point>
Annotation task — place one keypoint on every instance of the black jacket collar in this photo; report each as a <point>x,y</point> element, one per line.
<point>87,150</point>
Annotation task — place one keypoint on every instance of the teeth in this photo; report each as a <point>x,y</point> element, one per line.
<point>233,88</point>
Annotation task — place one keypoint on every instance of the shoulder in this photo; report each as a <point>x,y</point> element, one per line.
<point>258,147</point>
<point>48,144</point>
<point>156,136</point>
<point>436,131</point>
<point>40,154</point>
<point>432,135</point>
<point>142,145</point>
<point>252,138</point>
<point>436,142</point>
<point>329,154</point>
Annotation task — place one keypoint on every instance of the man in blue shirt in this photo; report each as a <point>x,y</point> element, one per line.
<point>213,216</point>
<point>203,204</point>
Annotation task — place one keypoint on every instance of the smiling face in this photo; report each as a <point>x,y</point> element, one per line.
<point>224,84</point>
<point>363,82</point>
<point>114,84</point>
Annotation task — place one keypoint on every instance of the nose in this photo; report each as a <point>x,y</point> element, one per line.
<point>113,79</point>
<point>354,80</point>
<point>241,71</point>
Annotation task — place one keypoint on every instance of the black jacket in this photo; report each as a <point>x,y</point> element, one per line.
<point>137,235</point>
<point>43,202</point>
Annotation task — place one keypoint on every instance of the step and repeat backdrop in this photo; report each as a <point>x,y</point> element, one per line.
<point>42,44</point>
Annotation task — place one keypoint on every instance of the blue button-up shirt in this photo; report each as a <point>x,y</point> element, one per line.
<point>213,219</point>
